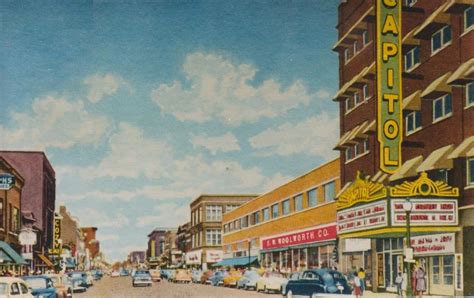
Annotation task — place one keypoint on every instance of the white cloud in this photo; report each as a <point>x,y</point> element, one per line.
<point>313,136</point>
<point>166,214</point>
<point>221,89</point>
<point>225,143</point>
<point>103,85</point>
<point>101,219</point>
<point>107,237</point>
<point>54,122</point>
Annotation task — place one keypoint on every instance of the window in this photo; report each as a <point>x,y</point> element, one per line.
<point>256,217</point>
<point>24,288</point>
<point>470,171</point>
<point>442,107</point>
<point>244,222</point>
<point>355,47</point>
<point>410,2</point>
<point>298,202</point>
<point>266,214</point>
<point>213,212</point>
<point>14,289</point>
<point>228,248</point>
<point>213,237</point>
<point>1,214</point>
<point>231,226</point>
<point>356,98</point>
<point>365,37</point>
<point>329,191</point>
<point>448,269</point>
<point>440,39</point>
<point>349,153</point>
<point>470,94</point>
<point>230,207</point>
<point>366,145</point>
<point>346,55</point>
<point>413,121</point>
<point>469,18</point>
<point>275,211</point>
<point>313,197</point>
<point>286,206</point>
<point>349,104</point>
<point>365,91</point>
<point>226,228</point>
<point>412,58</point>
<point>10,212</point>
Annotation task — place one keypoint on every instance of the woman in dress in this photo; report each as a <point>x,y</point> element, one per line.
<point>420,281</point>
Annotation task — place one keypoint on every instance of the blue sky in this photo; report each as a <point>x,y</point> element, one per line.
<point>143,105</point>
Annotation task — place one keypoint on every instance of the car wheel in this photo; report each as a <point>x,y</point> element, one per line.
<point>290,294</point>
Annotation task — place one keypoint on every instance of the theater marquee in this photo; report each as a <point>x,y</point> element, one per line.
<point>389,84</point>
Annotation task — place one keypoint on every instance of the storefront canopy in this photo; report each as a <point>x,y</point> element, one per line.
<point>240,261</point>
<point>9,255</point>
<point>45,260</point>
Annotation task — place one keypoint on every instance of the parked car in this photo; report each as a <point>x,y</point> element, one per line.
<point>271,282</point>
<point>62,284</point>
<point>249,280</point>
<point>292,276</point>
<point>166,273</point>
<point>196,276</point>
<point>155,275</point>
<point>318,281</point>
<point>142,278</point>
<point>13,287</point>
<point>217,278</point>
<point>78,280</point>
<point>232,279</point>
<point>41,286</point>
<point>89,278</point>
<point>96,274</point>
<point>124,272</point>
<point>182,276</point>
<point>115,274</point>
<point>205,277</point>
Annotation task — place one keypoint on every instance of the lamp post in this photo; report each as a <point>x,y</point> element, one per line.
<point>407,206</point>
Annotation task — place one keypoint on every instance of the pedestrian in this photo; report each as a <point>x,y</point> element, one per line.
<point>420,281</point>
<point>361,275</point>
<point>398,282</point>
<point>357,286</point>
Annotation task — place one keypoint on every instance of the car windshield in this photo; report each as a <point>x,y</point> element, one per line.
<point>252,273</point>
<point>36,283</point>
<point>3,288</point>
<point>142,275</point>
<point>76,275</point>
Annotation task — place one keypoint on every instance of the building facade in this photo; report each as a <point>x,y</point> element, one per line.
<point>184,238</point>
<point>156,246</point>
<point>92,245</point>
<point>435,177</point>
<point>72,238</point>
<point>290,228</point>
<point>206,227</point>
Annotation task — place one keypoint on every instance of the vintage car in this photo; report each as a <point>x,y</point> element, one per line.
<point>182,276</point>
<point>196,276</point>
<point>315,282</point>
<point>249,280</point>
<point>40,285</point>
<point>205,277</point>
<point>115,273</point>
<point>232,279</point>
<point>13,287</point>
<point>142,278</point>
<point>62,284</point>
<point>271,282</point>
<point>78,280</point>
<point>155,275</point>
<point>217,278</point>
<point>292,276</point>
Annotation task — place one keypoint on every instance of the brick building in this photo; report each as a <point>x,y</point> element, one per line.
<point>71,235</point>
<point>92,245</point>
<point>291,228</point>
<point>206,226</point>
<point>437,75</point>
<point>184,238</point>
<point>156,242</point>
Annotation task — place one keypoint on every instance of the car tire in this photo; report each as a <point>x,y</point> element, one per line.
<point>289,294</point>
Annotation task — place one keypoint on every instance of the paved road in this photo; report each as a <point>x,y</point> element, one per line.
<point>122,287</point>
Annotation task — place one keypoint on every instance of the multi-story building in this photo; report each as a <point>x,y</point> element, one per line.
<point>11,183</point>
<point>137,258</point>
<point>184,237</point>
<point>290,228</point>
<point>92,245</point>
<point>172,256</point>
<point>38,196</point>
<point>206,226</point>
<point>156,243</point>
<point>72,237</point>
<point>436,173</point>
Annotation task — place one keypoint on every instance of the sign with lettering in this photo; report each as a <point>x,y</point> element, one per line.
<point>312,235</point>
<point>57,245</point>
<point>27,237</point>
<point>361,191</point>
<point>213,256</point>
<point>425,212</point>
<point>364,217</point>
<point>6,181</point>
<point>193,257</point>
<point>433,244</point>
<point>389,84</point>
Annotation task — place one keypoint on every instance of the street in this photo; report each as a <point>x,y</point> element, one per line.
<point>122,287</point>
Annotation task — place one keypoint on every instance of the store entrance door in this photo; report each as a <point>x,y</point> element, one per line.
<point>441,275</point>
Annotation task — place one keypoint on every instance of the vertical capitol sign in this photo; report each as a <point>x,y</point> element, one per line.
<point>389,84</point>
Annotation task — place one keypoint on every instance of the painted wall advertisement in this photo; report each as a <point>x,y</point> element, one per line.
<point>371,215</point>
<point>425,212</point>
<point>193,257</point>
<point>316,234</point>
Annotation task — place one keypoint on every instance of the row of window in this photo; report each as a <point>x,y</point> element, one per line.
<point>282,208</point>
<point>356,99</point>
<point>213,213</point>
<point>354,151</point>
<point>211,237</point>
<point>13,215</point>
<point>351,52</point>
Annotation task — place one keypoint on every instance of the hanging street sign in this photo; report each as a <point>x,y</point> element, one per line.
<point>6,181</point>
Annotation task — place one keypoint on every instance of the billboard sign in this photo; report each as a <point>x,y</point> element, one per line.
<point>6,181</point>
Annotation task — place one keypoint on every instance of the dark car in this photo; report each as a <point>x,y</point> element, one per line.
<point>41,286</point>
<point>78,281</point>
<point>318,281</point>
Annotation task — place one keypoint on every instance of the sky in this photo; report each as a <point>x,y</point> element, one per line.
<point>141,106</point>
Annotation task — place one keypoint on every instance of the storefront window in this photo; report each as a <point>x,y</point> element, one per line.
<point>324,256</point>
<point>313,258</point>
<point>295,257</point>
<point>448,269</point>
<point>435,270</point>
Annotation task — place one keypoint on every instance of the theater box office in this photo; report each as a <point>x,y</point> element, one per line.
<point>370,210</point>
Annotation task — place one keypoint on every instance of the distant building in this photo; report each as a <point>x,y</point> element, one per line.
<point>172,256</point>
<point>137,257</point>
<point>156,245</point>
<point>184,237</point>
<point>91,243</point>
<point>71,236</point>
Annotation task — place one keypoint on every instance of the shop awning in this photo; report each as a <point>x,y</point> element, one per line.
<point>437,88</point>
<point>435,21</point>
<point>412,102</point>
<point>370,127</point>
<point>9,255</point>
<point>409,40</point>
<point>239,261</point>
<point>408,169</point>
<point>465,149</point>
<point>438,159</point>
<point>45,260</point>
<point>356,29</point>
<point>359,79</point>
<point>457,6</point>
<point>360,133</point>
<point>463,75</point>
<point>379,177</point>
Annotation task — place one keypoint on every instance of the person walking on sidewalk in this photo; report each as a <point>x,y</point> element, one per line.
<point>357,286</point>
<point>399,283</point>
<point>420,281</point>
<point>361,275</point>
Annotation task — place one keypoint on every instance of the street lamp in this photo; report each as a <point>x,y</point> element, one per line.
<point>407,206</point>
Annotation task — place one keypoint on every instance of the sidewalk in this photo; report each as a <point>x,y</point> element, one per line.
<point>385,294</point>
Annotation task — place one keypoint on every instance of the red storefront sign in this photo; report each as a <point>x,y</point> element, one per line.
<point>317,234</point>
